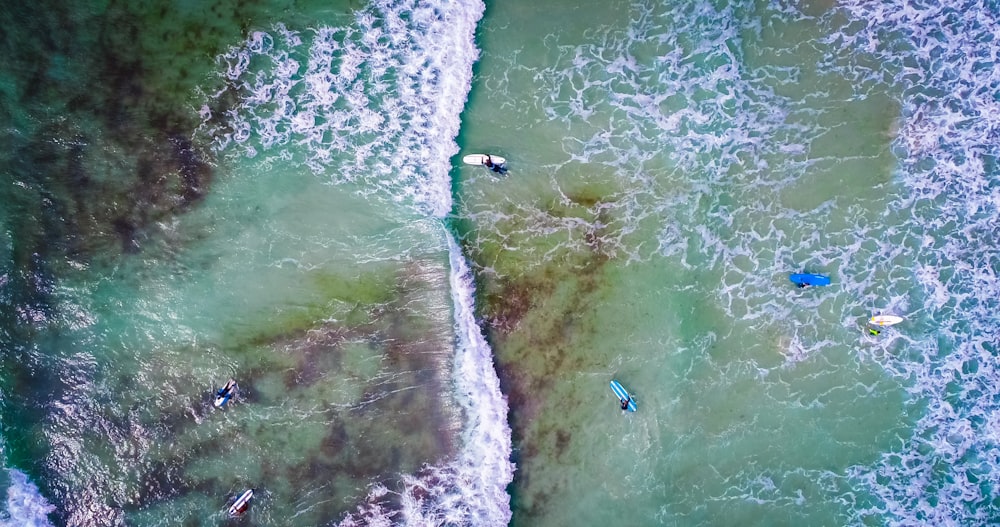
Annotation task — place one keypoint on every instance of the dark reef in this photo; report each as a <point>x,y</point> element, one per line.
<point>534,321</point>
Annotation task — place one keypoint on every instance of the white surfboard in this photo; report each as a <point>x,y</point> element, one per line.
<point>241,504</point>
<point>480,159</point>
<point>885,320</point>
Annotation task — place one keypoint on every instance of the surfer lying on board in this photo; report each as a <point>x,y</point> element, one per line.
<point>625,402</point>
<point>227,389</point>
<point>500,169</point>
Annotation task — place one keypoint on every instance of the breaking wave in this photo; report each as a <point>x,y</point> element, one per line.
<point>375,108</point>
<point>25,507</point>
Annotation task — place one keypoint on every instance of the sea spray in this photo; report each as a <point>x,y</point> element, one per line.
<point>485,462</point>
<point>25,506</point>
<point>470,490</point>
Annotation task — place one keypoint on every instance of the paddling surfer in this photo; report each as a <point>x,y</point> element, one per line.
<point>493,166</point>
<point>625,402</point>
<point>227,389</point>
<point>224,394</point>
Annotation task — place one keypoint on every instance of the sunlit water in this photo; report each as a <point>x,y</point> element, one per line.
<point>670,167</point>
<point>275,193</point>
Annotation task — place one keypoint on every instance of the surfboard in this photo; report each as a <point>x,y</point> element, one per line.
<point>885,320</point>
<point>809,279</point>
<point>480,159</point>
<point>241,504</point>
<point>622,394</point>
<point>225,394</point>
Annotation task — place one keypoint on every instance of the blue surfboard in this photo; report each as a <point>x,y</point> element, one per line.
<point>622,394</point>
<point>809,279</point>
<point>224,394</point>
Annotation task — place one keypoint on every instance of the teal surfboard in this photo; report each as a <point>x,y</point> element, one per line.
<point>622,394</point>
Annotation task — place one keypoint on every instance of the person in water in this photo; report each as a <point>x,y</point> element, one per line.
<point>873,331</point>
<point>227,389</point>
<point>493,166</point>
<point>625,402</point>
<point>802,285</point>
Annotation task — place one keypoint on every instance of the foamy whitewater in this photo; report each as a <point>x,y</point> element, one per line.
<point>376,107</point>
<point>684,101</point>
<point>945,57</point>
<point>375,104</point>
<point>25,506</point>
<point>470,490</point>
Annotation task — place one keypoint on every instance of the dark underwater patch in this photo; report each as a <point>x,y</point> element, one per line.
<point>98,150</point>
<point>534,321</point>
<point>415,425</point>
<point>102,116</point>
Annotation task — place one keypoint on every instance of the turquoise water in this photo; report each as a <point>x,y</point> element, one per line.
<point>274,192</point>
<point>693,157</point>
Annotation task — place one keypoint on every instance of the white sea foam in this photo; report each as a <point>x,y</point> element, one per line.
<point>948,471</point>
<point>470,490</point>
<point>376,105</point>
<point>25,507</point>
<point>485,462</point>
<point>688,106</point>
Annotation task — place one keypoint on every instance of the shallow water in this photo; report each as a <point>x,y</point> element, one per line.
<point>183,260</point>
<point>679,165</point>
<point>274,192</point>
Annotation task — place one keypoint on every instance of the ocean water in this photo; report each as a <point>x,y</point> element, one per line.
<point>691,156</point>
<point>274,192</point>
<point>275,215</point>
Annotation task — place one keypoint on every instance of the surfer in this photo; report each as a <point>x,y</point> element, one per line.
<point>227,389</point>
<point>493,166</point>
<point>801,285</point>
<point>625,402</point>
<point>222,395</point>
<point>241,504</point>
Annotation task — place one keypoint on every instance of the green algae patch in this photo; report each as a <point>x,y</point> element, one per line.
<point>374,287</point>
<point>349,301</point>
<point>324,401</point>
<point>540,325</point>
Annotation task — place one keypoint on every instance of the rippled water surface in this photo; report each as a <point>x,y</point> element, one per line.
<point>274,192</point>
